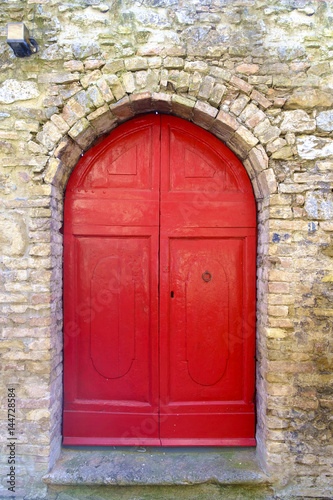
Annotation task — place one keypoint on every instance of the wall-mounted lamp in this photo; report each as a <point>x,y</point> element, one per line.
<point>20,41</point>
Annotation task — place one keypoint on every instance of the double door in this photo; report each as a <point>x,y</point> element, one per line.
<point>159,290</point>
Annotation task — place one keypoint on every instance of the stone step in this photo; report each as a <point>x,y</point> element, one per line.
<point>156,466</point>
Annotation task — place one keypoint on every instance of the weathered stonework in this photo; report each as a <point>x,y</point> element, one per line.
<point>234,69</point>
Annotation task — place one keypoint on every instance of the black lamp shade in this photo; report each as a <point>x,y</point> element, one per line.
<point>19,39</point>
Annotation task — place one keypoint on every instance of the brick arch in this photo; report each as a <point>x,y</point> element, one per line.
<point>104,119</point>
<point>88,129</point>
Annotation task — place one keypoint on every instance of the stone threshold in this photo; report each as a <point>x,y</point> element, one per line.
<point>121,466</point>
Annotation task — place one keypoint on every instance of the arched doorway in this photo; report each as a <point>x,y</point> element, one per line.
<point>159,290</point>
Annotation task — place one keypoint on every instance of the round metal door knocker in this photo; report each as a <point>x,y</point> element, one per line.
<point>206,276</point>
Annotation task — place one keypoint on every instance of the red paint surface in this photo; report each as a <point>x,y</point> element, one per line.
<point>154,353</point>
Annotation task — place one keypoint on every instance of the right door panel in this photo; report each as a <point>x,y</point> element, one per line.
<point>207,287</point>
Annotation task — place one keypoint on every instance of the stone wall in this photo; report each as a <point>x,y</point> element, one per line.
<point>259,76</point>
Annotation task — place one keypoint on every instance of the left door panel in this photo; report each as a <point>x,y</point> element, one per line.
<point>111,292</point>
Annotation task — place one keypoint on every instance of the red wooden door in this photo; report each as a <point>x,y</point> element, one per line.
<point>159,290</point>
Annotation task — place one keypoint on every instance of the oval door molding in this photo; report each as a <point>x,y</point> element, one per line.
<point>207,322</point>
<point>112,317</point>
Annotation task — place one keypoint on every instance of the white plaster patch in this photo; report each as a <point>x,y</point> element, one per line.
<point>319,206</point>
<point>13,90</point>
<point>325,120</point>
<point>310,147</point>
<point>12,239</point>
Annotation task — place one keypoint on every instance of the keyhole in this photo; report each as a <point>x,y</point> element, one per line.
<point>172,295</point>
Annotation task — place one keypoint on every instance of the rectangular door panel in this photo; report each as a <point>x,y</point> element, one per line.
<point>113,318</point>
<point>207,429</point>
<point>124,212</point>
<point>207,348</point>
<point>203,212</point>
<point>205,319</point>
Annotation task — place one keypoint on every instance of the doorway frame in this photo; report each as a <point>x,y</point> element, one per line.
<point>255,160</point>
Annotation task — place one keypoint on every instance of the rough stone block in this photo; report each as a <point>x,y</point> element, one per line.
<point>276,145</point>
<point>13,240</point>
<point>239,104</point>
<point>319,205</point>
<point>128,82</point>
<point>252,115</point>
<point>221,73</point>
<point>284,153</point>
<point>297,121</point>
<point>76,108</point>
<point>95,96</point>
<point>325,121</point>
<point>260,80</point>
<point>178,81</point>
<point>114,66</point>
<point>73,65</point>
<point>206,88</point>
<point>116,86</point>
<point>308,98</point>
<point>224,126</point>
<point>68,152</point>
<point>247,69</point>
<point>136,63</point>
<point>51,172</point>
<point>141,103</point>
<point>204,114</point>
<point>83,133</point>
<point>103,120</point>
<point>215,97</point>
<point>258,159</point>
<point>199,66</point>
<point>195,82</point>
<point>182,107</point>
<point>242,142</point>
<point>161,102</point>
<point>13,90</point>
<point>105,90</point>
<point>261,99</point>
<point>90,78</point>
<point>174,51</point>
<point>267,182</point>
<point>241,84</point>
<point>173,63</point>
<point>49,136</point>
<point>155,62</point>
<point>92,64</point>
<point>265,132</point>
<point>60,123</point>
<point>122,109</point>
<point>33,147</point>
<point>150,50</point>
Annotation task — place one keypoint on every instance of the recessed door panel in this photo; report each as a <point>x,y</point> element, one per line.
<point>113,305</point>
<point>120,164</point>
<point>199,282</point>
<point>113,323</point>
